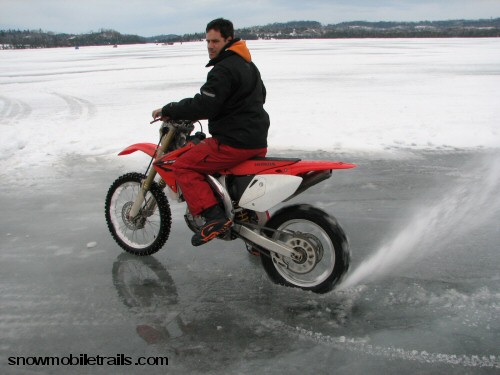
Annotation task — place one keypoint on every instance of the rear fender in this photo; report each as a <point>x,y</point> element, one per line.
<point>287,166</point>
<point>313,172</point>
<point>306,166</point>
<point>284,181</point>
<point>147,148</point>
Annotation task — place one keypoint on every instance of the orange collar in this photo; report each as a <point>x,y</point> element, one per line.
<point>240,47</point>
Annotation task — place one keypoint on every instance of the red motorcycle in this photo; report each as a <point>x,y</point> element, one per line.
<point>299,245</point>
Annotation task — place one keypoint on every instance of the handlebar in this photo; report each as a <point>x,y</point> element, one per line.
<point>185,126</point>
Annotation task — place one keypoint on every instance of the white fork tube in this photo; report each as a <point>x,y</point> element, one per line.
<point>139,200</point>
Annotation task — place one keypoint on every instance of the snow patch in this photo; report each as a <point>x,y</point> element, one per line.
<point>362,345</point>
<point>376,96</point>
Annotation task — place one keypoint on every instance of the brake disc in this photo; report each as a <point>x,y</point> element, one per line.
<point>310,253</point>
<point>134,223</point>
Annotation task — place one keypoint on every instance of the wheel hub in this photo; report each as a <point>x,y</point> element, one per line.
<point>132,223</point>
<point>309,253</point>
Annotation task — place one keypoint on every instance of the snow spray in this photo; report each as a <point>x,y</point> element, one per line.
<point>461,208</point>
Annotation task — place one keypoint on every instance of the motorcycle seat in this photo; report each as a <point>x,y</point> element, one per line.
<point>259,164</point>
<point>274,158</point>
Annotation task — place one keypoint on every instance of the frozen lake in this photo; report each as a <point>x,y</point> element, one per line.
<point>419,117</point>
<point>67,288</point>
<point>333,95</point>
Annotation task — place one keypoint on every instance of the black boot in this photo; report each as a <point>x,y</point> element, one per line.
<point>216,224</point>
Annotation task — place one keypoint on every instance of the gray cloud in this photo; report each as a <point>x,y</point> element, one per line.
<point>152,17</point>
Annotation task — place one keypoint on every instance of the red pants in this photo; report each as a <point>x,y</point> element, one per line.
<point>207,157</point>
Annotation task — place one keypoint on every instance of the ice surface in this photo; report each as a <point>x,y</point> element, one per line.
<point>332,95</point>
<point>70,111</point>
<point>453,214</point>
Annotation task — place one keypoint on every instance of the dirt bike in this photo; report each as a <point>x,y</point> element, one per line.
<point>299,245</point>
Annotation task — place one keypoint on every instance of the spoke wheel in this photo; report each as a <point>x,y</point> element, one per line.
<point>146,233</point>
<point>321,245</point>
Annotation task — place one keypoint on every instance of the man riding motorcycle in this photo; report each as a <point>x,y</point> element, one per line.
<point>232,100</point>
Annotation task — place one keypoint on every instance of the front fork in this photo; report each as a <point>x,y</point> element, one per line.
<point>166,139</point>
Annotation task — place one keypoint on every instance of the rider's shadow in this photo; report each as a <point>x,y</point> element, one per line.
<point>146,288</point>
<point>218,325</point>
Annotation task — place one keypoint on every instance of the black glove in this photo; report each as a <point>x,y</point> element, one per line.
<point>197,137</point>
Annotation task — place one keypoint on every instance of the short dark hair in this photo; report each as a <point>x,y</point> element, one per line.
<point>225,27</point>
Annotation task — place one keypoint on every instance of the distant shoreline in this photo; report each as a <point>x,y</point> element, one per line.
<point>484,28</point>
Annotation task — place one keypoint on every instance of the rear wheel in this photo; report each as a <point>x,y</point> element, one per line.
<point>320,242</point>
<point>149,230</point>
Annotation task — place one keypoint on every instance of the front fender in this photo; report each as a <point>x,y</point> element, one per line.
<point>147,148</point>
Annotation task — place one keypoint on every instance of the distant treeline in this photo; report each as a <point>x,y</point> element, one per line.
<point>40,39</point>
<point>290,30</point>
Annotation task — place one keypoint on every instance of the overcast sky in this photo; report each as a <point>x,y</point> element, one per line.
<point>154,17</point>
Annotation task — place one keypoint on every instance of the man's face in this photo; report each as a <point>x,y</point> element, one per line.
<point>215,43</point>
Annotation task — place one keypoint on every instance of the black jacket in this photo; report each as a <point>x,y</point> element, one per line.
<point>232,100</point>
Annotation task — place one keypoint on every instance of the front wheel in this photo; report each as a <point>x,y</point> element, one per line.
<point>321,243</point>
<point>149,230</point>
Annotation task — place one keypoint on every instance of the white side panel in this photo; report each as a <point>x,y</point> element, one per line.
<point>267,190</point>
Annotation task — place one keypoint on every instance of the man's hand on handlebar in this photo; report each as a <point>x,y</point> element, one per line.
<point>157,116</point>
